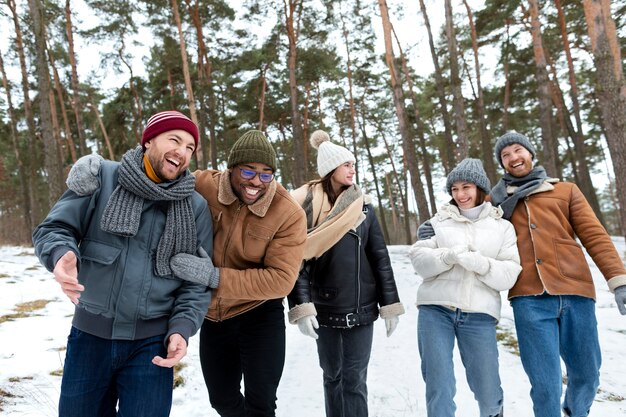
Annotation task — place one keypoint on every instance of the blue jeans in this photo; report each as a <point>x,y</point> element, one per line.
<point>250,345</point>
<point>344,355</point>
<point>99,372</point>
<point>475,333</point>
<point>551,327</point>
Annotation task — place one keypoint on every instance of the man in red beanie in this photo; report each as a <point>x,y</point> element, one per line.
<point>111,248</point>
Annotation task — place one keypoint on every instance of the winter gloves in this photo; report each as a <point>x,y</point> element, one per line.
<point>468,259</point>
<point>620,299</point>
<point>83,177</point>
<point>198,269</point>
<point>307,325</point>
<point>390,324</point>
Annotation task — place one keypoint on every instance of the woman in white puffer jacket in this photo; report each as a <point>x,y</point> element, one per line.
<point>470,259</point>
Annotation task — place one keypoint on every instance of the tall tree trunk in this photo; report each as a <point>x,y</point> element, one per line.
<point>205,76</point>
<point>344,32</point>
<point>293,10</point>
<point>33,149</point>
<point>485,142</point>
<point>107,141</point>
<point>398,98</point>
<point>403,196</point>
<point>462,147</point>
<point>507,79</point>
<point>370,158</point>
<point>137,108</point>
<point>21,169</point>
<point>550,148</point>
<point>66,123</point>
<point>263,82</point>
<point>76,105</point>
<point>577,135</point>
<point>448,158</point>
<point>610,89</point>
<point>52,161</point>
<point>200,161</point>
<point>420,127</point>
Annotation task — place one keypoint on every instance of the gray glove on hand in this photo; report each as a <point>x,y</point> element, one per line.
<point>83,178</point>
<point>474,261</point>
<point>198,269</point>
<point>620,299</point>
<point>451,256</point>
<point>390,324</point>
<point>307,325</point>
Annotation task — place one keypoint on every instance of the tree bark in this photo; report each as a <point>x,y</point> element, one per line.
<point>610,89</point>
<point>344,32</point>
<point>398,98</point>
<point>199,154</point>
<point>448,158</point>
<point>550,148</point>
<point>52,161</point>
<point>462,149</point>
<point>76,105</point>
<point>485,142</point>
<point>292,10</point>
<point>21,169</point>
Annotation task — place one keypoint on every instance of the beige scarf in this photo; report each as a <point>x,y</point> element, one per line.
<point>327,224</point>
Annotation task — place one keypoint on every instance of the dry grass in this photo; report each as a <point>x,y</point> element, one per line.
<point>25,310</point>
<point>4,394</point>
<point>507,339</point>
<point>179,380</point>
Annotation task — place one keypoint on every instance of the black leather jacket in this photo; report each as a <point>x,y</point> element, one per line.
<point>351,279</point>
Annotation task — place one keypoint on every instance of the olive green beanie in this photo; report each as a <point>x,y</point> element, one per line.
<point>252,147</point>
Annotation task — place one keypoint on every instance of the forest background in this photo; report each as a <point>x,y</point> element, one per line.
<point>410,103</point>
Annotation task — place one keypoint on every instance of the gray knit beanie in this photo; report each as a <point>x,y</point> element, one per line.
<point>469,170</point>
<point>510,138</point>
<point>252,147</point>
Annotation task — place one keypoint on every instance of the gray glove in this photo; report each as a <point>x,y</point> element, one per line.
<point>425,231</point>
<point>83,177</point>
<point>620,299</point>
<point>198,269</point>
<point>474,261</point>
<point>307,326</point>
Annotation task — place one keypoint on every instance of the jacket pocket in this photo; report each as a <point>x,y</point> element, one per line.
<point>98,269</point>
<point>571,260</point>
<point>256,239</point>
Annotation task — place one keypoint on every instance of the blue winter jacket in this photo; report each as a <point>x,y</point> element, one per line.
<point>124,299</point>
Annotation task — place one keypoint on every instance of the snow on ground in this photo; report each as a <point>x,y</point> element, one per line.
<point>32,354</point>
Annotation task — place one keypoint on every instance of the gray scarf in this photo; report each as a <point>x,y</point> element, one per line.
<point>525,185</point>
<point>122,213</point>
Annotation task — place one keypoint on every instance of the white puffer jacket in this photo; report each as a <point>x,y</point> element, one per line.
<point>454,286</point>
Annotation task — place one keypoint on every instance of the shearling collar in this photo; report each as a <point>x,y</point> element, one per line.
<point>545,186</point>
<point>227,196</point>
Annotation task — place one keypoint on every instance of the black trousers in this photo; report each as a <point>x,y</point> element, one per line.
<point>250,345</point>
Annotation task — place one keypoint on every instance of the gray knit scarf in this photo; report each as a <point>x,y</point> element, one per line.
<point>525,185</point>
<point>122,213</point>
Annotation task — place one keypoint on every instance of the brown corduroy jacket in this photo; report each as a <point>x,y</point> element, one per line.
<point>547,223</point>
<point>258,248</point>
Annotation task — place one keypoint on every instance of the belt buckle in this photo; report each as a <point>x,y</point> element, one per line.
<point>348,320</point>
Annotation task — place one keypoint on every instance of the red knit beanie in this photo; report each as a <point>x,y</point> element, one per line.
<point>168,120</point>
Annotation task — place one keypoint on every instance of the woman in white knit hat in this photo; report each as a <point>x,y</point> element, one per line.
<point>346,281</point>
<point>464,266</point>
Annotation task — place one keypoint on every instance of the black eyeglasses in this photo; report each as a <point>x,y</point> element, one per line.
<point>248,174</point>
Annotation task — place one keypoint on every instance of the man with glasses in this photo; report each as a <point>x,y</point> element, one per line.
<point>259,235</point>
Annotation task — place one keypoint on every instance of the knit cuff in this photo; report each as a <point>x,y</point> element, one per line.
<point>300,311</point>
<point>391,310</point>
<point>214,278</point>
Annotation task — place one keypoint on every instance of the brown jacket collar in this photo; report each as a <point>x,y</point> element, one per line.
<point>227,196</point>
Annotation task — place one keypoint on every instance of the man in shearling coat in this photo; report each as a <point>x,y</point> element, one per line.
<point>554,297</point>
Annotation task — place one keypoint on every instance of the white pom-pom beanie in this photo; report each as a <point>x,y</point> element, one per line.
<point>329,155</point>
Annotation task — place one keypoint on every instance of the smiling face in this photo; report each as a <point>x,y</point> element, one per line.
<point>170,153</point>
<point>249,190</point>
<point>465,194</point>
<point>516,160</point>
<point>343,176</point>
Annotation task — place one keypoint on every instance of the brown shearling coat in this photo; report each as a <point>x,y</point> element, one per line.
<point>547,223</point>
<point>258,248</point>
